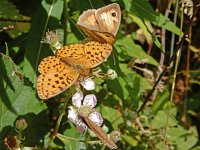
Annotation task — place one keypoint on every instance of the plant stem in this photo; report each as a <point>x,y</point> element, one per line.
<point>57,124</point>
<point>65,19</point>
<point>187,82</point>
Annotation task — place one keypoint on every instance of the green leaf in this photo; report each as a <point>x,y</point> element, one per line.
<point>46,17</point>
<point>147,30</point>
<point>129,139</point>
<point>112,115</point>
<point>143,10</point>
<point>163,118</point>
<point>18,100</point>
<point>9,10</point>
<point>127,47</point>
<point>91,4</point>
<point>70,139</point>
<point>137,83</point>
<point>11,14</point>
<point>161,99</point>
<point>196,148</point>
<point>128,86</point>
<point>184,139</point>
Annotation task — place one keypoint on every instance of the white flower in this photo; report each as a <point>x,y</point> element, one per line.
<point>88,84</point>
<point>96,118</point>
<point>72,115</point>
<point>90,100</point>
<point>81,126</point>
<point>77,98</point>
<point>84,109</point>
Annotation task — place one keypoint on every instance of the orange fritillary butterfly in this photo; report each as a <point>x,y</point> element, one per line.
<point>59,72</point>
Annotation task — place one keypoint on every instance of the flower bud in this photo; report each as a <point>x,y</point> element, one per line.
<point>115,135</point>
<point>21,124</point>
<point>111,74</point>
<point>88,84</point>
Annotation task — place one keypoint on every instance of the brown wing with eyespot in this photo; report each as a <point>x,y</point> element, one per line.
<point>88,20</point>
<point>109,18</point>
<point>106,19</point>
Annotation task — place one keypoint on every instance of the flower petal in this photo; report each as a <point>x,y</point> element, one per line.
<point>96,118</point>
<point>73,116</point>
<point>77,98</point>
<point>81,126</point>
<point>88,84</point>
<point>90,100</point>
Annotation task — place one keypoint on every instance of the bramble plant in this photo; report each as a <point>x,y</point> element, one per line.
<point>124,75</point>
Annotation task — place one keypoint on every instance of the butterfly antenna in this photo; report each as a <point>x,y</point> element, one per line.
<point>91,4</point>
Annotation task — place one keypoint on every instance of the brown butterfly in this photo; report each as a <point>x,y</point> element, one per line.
<point>101,24</point>
<point>103,137</point>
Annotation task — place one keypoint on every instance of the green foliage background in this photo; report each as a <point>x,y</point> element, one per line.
<point>159,126</point>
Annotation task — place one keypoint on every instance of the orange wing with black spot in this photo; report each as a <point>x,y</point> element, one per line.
<point>55,77</point>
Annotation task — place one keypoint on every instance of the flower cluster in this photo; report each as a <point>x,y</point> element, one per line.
<point>84,107</point>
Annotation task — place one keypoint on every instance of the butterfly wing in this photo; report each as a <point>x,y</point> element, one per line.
<point>50,64</point>
<point>87,55</point>
<point>109,18</point>
<point>96,53</point>
<point>88,20</point>
<point>55,77</point>
<point>102,24</point>
<point>105,19</point>
<point>102,37</point>
<point>100,134</point>
<point>72,55</point>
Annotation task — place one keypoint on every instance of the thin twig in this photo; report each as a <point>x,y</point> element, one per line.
<point>137,120</point>
<point>173,34</point>
<point>7,28</point>
<point>65,18</point>
<point>162,55</point>
<point>187,81</point>
<point>75,139</point>
<point>172,89</point>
